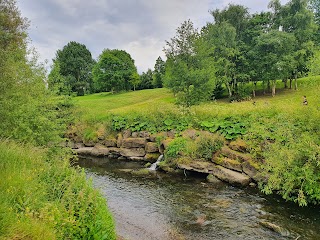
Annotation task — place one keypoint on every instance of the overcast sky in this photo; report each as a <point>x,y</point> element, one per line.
<point>138,26</point>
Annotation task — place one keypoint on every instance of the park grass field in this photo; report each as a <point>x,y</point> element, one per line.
<point>98,107</point>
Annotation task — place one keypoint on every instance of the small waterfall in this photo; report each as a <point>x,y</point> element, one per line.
<point>154,166</point>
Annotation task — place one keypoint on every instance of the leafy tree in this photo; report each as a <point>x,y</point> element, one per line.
<point>26,112</point>
<point>135,80</point>
<point>114,71</point>
<point>75,63</point>
<point>274,53</point>
<point>236,15</point>
<point>57,82</point>
<point>159,71</point>
<point>188,72</point>
<point>314,64</point>
<point>222,39</point>
<point>146,80</point>
<point>296,18</point>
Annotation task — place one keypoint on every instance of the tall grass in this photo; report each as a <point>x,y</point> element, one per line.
<point>46,199</point>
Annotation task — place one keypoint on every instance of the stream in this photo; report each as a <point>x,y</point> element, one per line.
<point>161,206</point>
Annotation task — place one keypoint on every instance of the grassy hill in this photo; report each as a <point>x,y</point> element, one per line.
<point>99,106</point>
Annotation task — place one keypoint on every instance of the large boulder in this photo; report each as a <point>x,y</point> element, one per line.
<point>132,152</point>
<point>229,153</point>
<point>83,151</point>
<point>99,151</point>
<point>228,163</point>
<point>152,147</point>
<point>110,142</point>
<point>126,133</point>
<point>114,153</point>
<point>232,177</point>
<point>198,166</point>
<point>119,140</point>
<point>252,170</point>
<point>134,143</point>
<point>144,134</point>
<point>89,143</point>
<point>151,157</point>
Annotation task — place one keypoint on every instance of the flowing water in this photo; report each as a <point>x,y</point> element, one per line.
<point>162,206</point>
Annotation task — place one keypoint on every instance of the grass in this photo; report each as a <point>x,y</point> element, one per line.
<point>98,107</point>
<point>47,199</point>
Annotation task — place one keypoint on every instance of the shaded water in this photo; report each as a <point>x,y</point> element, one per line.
<point>160,206</point>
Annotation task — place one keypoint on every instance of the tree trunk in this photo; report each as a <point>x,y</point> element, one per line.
<point>269,87</point>
<point>290,83</point>
<point>285,81</point>
<point>274,88</point>
<point>254,89</point>
<point>229,89</point>
<point>296,82</point>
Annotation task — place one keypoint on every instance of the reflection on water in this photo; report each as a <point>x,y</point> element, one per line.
<point>160,206</point>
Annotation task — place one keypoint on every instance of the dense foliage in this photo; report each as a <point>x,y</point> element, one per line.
<point>71,70</point>
<point>114,71</point>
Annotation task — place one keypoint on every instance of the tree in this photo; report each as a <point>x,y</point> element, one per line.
<point>158,74</point>
<point>296,18</point>
<point>188,72</point>
<point>26,114</point>
<point>146,80</point>
<point>135,80</point>
<point>221,38</point>
<point>274,56</point>
<point>114,71</point>
<point>57,82</point>
<point>75,63</point>
<point>237,17</point>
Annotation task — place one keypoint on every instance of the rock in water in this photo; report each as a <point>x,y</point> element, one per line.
<point>280,230</point>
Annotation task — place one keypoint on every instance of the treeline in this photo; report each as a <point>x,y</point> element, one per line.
<point>74,71</point>
<point>229,55</point>
<point>238,49</point>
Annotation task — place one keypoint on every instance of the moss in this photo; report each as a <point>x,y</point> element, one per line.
<point>141,172</point>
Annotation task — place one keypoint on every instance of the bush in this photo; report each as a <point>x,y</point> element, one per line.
<point>206,145</point>
<point>176,147</point>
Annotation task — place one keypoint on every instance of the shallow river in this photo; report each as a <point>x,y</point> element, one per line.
<point>162,206</point>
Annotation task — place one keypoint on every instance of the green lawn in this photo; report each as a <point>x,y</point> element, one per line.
<point>99,106</point>
<point>145,102</point>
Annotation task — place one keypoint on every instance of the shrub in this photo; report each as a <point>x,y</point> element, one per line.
<point>206,145</point>
<point>176,147</point>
